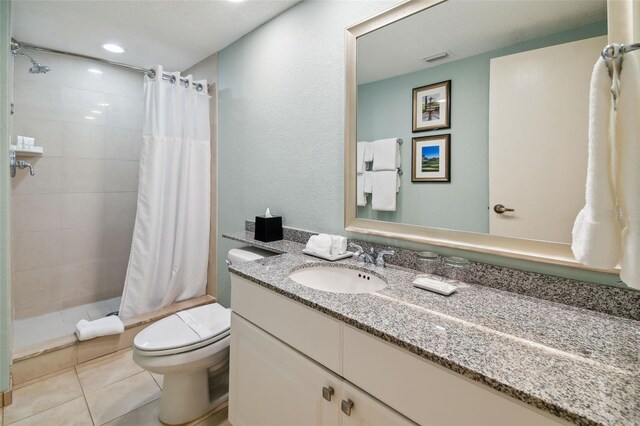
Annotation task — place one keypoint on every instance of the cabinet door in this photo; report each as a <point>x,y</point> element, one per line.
<point>366,410</point>
<point>272,384</point>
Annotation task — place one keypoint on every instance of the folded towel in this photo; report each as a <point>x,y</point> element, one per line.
<point>362,150</point>
<point>386,154</point>
<point>361,196</point>
<point>385,188</point>
<point>86,330</point>
<point>628,155</point>
<point>320,244</point>
<point>338,245</point>
<point>596,235</point>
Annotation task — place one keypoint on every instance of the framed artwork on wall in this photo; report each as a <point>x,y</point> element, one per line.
<point>432,107</point>
<point>431,159</point>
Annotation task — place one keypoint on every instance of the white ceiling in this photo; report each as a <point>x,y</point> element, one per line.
<point>176,34</point>
<point>465,28</point>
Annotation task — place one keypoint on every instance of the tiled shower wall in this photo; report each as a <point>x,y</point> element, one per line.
<point>72,222</point>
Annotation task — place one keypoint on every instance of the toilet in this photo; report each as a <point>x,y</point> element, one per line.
<point>191,350</point>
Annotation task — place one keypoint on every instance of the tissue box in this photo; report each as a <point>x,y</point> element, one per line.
<point>268,228</point>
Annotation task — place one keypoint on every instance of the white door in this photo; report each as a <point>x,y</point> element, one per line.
<point>272,384</point>
<point>538,120</point>
<point>361,409</point>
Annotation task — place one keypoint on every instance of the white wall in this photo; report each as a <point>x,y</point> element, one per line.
<point>73,221</point>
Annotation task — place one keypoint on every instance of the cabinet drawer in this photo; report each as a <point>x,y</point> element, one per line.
<point>426,392</point>
<point>312,333</point>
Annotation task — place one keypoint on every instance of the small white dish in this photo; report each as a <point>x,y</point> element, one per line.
<point>345,255</point>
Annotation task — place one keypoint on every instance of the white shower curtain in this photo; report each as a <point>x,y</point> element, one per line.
<point>170,248</point>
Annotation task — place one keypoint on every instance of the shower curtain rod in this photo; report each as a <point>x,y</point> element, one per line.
<point>17,45</point>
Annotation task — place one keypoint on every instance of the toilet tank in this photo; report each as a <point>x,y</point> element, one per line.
<point>247,254</point>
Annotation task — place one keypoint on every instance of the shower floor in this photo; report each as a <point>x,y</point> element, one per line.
<point>36,330</point>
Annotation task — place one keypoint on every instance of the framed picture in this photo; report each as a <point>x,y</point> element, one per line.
<point>432,107</point>
<point>431,159</point>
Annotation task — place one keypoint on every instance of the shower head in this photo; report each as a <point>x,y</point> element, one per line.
<point>36,68</point>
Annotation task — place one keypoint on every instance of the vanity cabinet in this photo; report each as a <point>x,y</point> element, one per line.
<point>272,384</point>
<point>286,357</point>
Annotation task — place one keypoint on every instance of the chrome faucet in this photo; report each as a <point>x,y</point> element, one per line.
<point>370,258</point>
<point>19,164</point>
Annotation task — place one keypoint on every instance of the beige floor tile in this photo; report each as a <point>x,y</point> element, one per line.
<point>101,373</point>
<point>41,396</point>
<point>119,398</point>
<point>159,378</point>
<point>147,415</point>
<point>72,413</point>
<point>218,419</point>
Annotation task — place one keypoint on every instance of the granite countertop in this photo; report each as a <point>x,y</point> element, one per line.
<point>580,365</point>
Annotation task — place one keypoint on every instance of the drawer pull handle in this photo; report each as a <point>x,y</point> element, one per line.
<point>347,406</point>
<point>327,392</point>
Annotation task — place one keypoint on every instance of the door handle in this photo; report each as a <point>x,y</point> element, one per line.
<point>347,406</point>
<point>499,208</point>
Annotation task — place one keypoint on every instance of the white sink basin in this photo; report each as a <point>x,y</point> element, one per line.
<point>338,280</point>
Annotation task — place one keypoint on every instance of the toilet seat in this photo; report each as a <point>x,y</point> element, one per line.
<point>184,331</point>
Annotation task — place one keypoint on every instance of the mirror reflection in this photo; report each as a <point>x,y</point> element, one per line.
<point>492,116</point>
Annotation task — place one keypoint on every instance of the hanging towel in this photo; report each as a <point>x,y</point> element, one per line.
<point>362,150</point>
<point>385,188</point>
<point>361,196</point>
<point>86,330</point>
<point>386,154</point>
<point>628,155</point>
<point>596,231</point>
<point>368,182</point>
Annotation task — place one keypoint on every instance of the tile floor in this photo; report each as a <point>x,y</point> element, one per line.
<point>38,329</point>
<point>111,391</point>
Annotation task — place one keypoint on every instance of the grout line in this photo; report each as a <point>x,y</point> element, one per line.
<point>84,395</point>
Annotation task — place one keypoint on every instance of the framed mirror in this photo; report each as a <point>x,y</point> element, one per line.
<point>487,106</point>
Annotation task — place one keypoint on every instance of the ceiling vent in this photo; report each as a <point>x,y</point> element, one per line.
<point>436,57</point>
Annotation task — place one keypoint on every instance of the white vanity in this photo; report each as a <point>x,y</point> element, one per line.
<point>291,364</point>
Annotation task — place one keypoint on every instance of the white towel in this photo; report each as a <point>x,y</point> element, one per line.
<point>86,330</point>
<point>596,231</point>
<point>385,188</point>
<point>368,182</point>
<point>363,151</point>
<point>361,196</point>
<point>338,245</point>
<point>628,155</point>
<point>320,244</point>
<point>386,154</point>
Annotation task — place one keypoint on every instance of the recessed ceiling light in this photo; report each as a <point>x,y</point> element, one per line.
<point>88,117</point>
<point>95,111</point>
<point>113,48</point>
<point>236,1</point>
<point>94,71</point>
<point>103,104</point>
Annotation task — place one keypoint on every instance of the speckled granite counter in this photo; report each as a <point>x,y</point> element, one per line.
<point>581,365</point>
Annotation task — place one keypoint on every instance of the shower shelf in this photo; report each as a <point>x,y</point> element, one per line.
<point>34,151</point>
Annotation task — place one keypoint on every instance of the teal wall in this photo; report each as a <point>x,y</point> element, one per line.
<point>463,203</point>
<point>5,284</point>
<point>281,121</point>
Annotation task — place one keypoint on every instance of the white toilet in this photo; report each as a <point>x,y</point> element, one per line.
<point>191,350</point>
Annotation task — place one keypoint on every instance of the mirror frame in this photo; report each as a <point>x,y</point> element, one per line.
<point>531,250</point>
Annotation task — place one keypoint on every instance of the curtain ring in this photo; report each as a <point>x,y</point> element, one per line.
<point>199,87</point>
<point>172,80</point>
<point>151,73</point>
<point>186,83</point>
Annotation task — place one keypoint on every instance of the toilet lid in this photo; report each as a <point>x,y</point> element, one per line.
<point>185,329</point>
